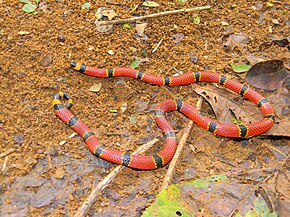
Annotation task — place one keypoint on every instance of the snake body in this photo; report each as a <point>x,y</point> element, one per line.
<point>164,156</point>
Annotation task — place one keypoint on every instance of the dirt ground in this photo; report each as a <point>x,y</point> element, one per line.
<point>41,176</point>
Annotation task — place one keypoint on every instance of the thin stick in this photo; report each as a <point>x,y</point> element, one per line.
<point>4,167</point>
<point>164,13</point>
<point>7,152</point>
<point>92,198</point>
<point>182,142</point>
<point>159,43</point>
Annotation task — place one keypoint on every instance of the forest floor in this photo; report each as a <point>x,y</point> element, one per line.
<point>47,171</point>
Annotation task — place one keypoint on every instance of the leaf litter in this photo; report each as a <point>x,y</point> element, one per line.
<point>267,75</point>
<point>226,109</point>
<point>74,186</point>
<point>218,196</point>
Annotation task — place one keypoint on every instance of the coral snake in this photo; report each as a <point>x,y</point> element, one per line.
<point>165,155</point>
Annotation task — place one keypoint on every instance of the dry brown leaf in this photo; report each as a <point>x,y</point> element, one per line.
<point>96,87</point>
<point>109,13</point>
<point>222,102</point>
<point>281,128</point>
<point>140,28</point>
<point>223,105</point>
<point>47,60</point>
<point>177,38</point>
<point>267,75</point>
<point>103,28</point>
<point>281,98</point>
<point>59,173</point>
<point>237,40</point>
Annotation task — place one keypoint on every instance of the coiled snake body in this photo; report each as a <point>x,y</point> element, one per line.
<point>164,156</point>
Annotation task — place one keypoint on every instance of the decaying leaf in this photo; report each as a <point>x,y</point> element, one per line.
<point>140,28</point>
<point>281,128</point>
<point>236,40</point>
<point>141,105</point>
<point>177,38</point>
<point>282,42</point>
<point>46,60</point>
<point>146,138</point>
<point>109,13</point>
<point>193,57</point>
<point>281,98</point>
<point>103,28</point>
<point>100,13</point>
<point>124,106</point>
<point>222,105</point>
<point>267,75</point>
<point>217,194</point>
<point>96,87</point>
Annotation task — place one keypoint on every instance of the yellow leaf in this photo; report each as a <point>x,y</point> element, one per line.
<point>96,87</point>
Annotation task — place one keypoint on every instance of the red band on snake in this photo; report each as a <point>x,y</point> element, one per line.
<point>165,155</point>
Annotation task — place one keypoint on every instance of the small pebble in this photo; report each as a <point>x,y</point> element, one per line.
<point>61,38</point>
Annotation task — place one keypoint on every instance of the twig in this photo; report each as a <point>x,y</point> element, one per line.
<point>164,13</point>
<point>92,198</point>
<point>182,142</point>
<point>7,152</point>
<point>4,167</point>
<point>159,43</point>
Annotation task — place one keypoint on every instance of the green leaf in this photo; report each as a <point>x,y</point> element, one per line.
<point>135,63</point>
<point>86,5</point>
<point>127,26</point>
<point>170,201</point>
<point>151,4</point>
<point>23,32</point>
<point>113,111</point>
<point>167,203</point>
<point>181,2</point>
<point>132,119</point>
<point>29,7</point>
<point>195,20</point>
<point>243,67</point>
<point>204,182</point>
<point>62,79</point>
<point>25,1</point>
<point>99,14</point>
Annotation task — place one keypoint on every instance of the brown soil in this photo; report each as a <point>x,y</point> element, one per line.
<point>30,133</point>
